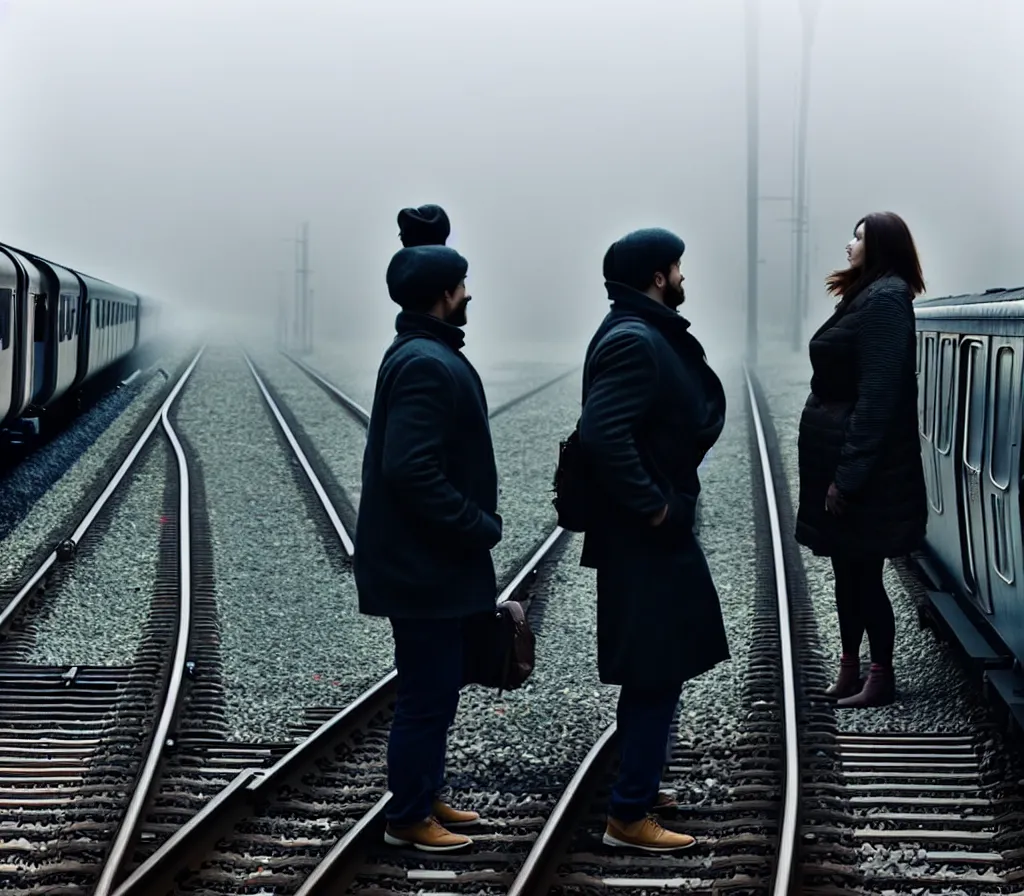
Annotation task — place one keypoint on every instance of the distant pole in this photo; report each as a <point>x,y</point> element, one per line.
<point>282,313</point>
<point>297,343</point>
<point>305,287</point>
<point>809,14</point>
<point>752,181</point>
<point>309,347</point>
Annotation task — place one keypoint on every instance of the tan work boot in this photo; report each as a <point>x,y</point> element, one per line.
<point>453,818</point>
<point>429,835</point>
<point>645,834</point>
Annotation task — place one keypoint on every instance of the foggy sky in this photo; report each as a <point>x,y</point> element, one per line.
<point>173,147</point>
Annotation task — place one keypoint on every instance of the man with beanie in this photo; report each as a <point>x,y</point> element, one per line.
<point>427,522</point>
<point>427,225</point>
<point>652,408</point>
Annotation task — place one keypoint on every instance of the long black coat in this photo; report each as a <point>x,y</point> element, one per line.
<point>858,429</point>
<point>427,514</point>
<point>652,408</point>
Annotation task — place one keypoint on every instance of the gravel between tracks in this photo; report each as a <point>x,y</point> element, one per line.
<point>932,693</point>
<point>529,742</point>
<point>51,506</point>
<point>291,635</point>
<point>355,372</point>
<point>526,441</point>
<point>98,613</point>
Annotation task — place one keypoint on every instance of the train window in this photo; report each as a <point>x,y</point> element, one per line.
<point>5,319</point>
<point>930,370</point>
<point>944,387</point>
<point>62,318</point>
<point>974,418</point>
<point>1002,418</point>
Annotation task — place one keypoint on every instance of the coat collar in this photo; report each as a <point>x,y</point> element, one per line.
<point>412,323</point>
<point>626,300</point>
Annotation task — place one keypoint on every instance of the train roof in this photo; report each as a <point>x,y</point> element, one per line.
<point>105,285</point>
<point>999,302</point>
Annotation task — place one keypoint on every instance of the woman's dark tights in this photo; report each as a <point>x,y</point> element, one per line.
<point>863,606</point>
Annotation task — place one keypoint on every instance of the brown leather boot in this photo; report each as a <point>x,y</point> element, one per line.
<point>878,690</point>
<point>646,834</point>
<point>428,835</point>
<point>849,681</point>
<point>453,818</point>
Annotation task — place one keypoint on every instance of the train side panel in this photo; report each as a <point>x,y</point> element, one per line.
<point>8,331</point>
<point>972,362</point>
<point>30,300</point>
<point>58,320</point>
<point>112,316</point>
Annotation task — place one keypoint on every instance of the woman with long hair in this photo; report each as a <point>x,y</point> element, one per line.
<point>862,492</point>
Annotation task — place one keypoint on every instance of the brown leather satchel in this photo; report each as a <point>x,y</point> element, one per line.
<point>498,648</point>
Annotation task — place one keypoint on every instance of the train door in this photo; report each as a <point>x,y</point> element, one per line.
<point>973,388</point>
<point>1000,485</point>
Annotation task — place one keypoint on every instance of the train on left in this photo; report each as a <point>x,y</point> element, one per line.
<point>62,333</point>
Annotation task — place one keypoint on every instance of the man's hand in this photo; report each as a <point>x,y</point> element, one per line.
<point>659,517</point>
<point>834,501</point>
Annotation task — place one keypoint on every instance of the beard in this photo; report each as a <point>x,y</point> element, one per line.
<point>673,296</point>
<point>457,317</point>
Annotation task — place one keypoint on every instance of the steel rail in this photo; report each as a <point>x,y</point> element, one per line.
<point>12,609</point>
<point>128,830</point>
<point>784,866</point>
<point>329,509</point>
<point>357,409</point>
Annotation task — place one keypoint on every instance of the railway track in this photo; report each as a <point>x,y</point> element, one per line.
<point>312,823</point>
<point>81,748</point>
<point>895,811</point>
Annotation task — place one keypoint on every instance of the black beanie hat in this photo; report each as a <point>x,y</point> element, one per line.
<point>419,275</point>
<point>427,225</point>
<point>636,257</point>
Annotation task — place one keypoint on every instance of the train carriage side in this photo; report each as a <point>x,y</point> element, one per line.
<point>9,344</point>
<point>57,331</point>
<point>112,314</point>
<point>970,416</point>
<point>23,377</point>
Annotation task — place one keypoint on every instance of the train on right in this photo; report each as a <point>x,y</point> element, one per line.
<point>970,368</point>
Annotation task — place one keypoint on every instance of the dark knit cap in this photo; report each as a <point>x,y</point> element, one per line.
<point>638,256</point>
<point>419,275</point>
<point>427,225</point>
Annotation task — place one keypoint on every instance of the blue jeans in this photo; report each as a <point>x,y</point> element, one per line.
<point>644,719</point>
<point>428,657</point>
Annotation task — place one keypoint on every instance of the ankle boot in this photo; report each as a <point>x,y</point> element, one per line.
<point>849,681</point>
<point>879,690</point>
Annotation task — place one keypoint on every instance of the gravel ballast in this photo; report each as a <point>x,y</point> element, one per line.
<point>355,373</point>
<point>932,693</point>
<point>291,633</point>
<point>526,441</point>
<point>52,506</point>
<point>97,614</point>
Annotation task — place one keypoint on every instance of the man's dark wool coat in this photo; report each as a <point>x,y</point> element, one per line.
<point>858,429</point>
<point>427,514</point>
<point>652,408</point>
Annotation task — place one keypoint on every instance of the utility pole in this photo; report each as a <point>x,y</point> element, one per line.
<point>282,313</point>
<point>303,324</point>
<point>752,179</point>
<point>809,14</point>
